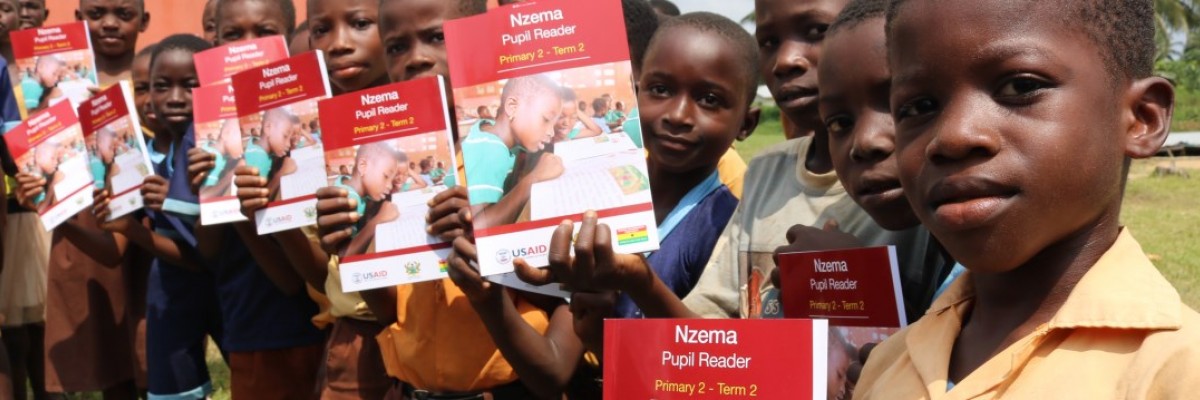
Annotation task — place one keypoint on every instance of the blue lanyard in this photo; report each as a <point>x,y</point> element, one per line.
<point>685,206</point>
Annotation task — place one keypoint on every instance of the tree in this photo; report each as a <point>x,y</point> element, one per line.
<point>1173,16</point>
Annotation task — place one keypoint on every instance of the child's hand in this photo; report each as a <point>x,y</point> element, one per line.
<point>29,187</point>
<point>100,201</point>
<point>549,166</point>
<point>589,311</point>
<point>449,214</point>
<point>200,164</point>
<point>251,189</point>
<point>154,192</point>
<point>465,274</point>
<point>595,267</point>
<point>336,214</point>
<point>807,238</point>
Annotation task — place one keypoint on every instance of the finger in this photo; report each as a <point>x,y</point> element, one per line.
<point>332,240</point>
<point>446,195</point>
<point>329,192</point>
<point>252,181</point>
<point>447,228</point>
<point>559,254</point>
<point>337,221</point>
<point>466,249</point>
<point>831,226</point>
<point>332,205</point>
<point>604,257</point>
<point>531,275</point>
<point>775,278</point>
<point>447,207</point>
<point>585,260</point>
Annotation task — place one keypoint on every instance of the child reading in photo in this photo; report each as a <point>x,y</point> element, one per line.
<point>104,156</point>
<point>44,165</point>
<point>271,152</point>
<point>530,107</point>
<point>600,110</point>
<point>1015,131</point>
<point>228,153</point>
<point>573,124</point>
<point>370,186</point>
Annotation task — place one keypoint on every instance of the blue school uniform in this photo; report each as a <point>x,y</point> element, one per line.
<point>687,237</point>
<point>256,314</point>
<point>181,304</point>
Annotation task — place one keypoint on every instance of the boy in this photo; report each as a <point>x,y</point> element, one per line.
<point>8,24</point>
<point>345,30</point>
<point>600,111</point>
<point>369,186</point>
<point>238,20</point>
<point>114,26</point>
<point>209,21</point>
<point>32,13</point>
<point>140,75</point>
<point>1059,300</point>
<point>271,153</point>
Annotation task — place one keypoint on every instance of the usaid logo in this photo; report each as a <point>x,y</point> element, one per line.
<point>362,277</point>
<point>505,256</point>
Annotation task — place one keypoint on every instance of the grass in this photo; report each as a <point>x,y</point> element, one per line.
<point>1187,112</point>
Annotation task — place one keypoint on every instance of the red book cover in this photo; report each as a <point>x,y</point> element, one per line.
<point>391,149</point>
<point>277,114</point>
<point>217,132</point>
<point>857,290</point>
<point>54,63</point>
<point>117,152</point>
<point>219,63</point>
<point>715,359</point>
<point>50,144</point>
<point>518,74</point>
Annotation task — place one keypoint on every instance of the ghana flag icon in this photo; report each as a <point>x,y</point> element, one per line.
<point>637,234</point>
<point>442,266</point>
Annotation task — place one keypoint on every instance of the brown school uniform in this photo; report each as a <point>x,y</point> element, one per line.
<point>88,346</point>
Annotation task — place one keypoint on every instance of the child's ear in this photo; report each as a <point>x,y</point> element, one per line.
<point>78,15</point>
<point>145,22</point>
<point>510,107</point>
<point>1150,103</point>
<point>749,123</point>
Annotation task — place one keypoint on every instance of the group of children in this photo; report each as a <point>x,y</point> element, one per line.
<point>986,137</point>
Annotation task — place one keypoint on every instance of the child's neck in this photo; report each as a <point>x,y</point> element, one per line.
<point>502,130</point>
<point>1014,304</point>
<point>355,183</point>
<point>667,189</point>
<point>163,140</point>
<point>111,69</point>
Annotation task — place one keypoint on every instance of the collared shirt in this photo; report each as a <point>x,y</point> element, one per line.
<point>489,162</point>
<point>1123,333</point>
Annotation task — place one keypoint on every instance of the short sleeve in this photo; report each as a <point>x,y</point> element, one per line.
<point>488,164</point>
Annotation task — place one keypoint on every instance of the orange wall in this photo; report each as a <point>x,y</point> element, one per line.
<point>167,17</point>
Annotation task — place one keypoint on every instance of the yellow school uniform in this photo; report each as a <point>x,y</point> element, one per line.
<point>1122,333</point>
<point>731,169</point>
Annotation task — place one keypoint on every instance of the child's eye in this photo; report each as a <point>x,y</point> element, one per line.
<point>839,124</point>
<point>438,38</point>
<point>362,23</point>
<point>711,100</point>
<point>916,108</point>
<point>263,32</point>
<point>816,33</point>
<point>230,36</point>
<point>767,43</point>
<point>94,14</point>
<point>1021,86</point>
<point>396,49</point>
<point>658,90</point>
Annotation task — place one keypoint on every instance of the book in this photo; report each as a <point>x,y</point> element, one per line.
<point>50,144</point>
<point>54,63</point>
<point>216,123</point>
<point>521,70</point>
<point>857,290</point>
<point>217,64</point>
<point>715,358</point>
<point>117,152</point>
<point>277,114</point>
<point>376,140</point>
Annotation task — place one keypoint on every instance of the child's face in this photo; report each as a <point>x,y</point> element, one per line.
<point>277,133</point>
<point>692,98</point>
<point>1009,130</point>
<point>106,147</point>
<point>172,78</point>
<point>567,119</point>
<point>533,119</point>
<point>140,74</point>
<point>209,21</point>
<point>231,140</point>
<point>789,34</point>
<point>855,89</point>
<point>240,20</point>
<point>114,25</point>
<point>413,41</point>
<point>49,72</point>
<point>378,176</point>
<point>47,154</point>
<point>347,31</point>
<point>8,18</point>
<point>32,13</point>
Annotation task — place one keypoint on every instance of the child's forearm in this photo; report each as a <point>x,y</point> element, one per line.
<point>308,259</point>
<point>509,207</point>
<point>270,258</point>
<point>103,246</point>
<point>545,363</point>
<point>162,247</point>
<point>382,303</point>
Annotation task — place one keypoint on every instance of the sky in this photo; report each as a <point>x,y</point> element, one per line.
<point>734,9</point>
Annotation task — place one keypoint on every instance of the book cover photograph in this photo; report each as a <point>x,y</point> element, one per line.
<point>216,120</point>
<point>116,150</point>
<point>857,290</point>
<point>53,63</point>
<point>549,128</point>
<point>278,118</point>
<point>50,144</point>
<point>391,150</point>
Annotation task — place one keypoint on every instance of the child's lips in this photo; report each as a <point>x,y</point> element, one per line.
<point>674,143</point>
<point>347,71</point>
<point>876,192</point>
<point>965,203</point>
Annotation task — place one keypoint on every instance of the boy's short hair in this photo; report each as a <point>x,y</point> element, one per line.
<point>745,46</point>
<point>370,150</point>
<point>1123,30</point>
<point>180,41</point>
<point>285,6</point>
<point>856,12</point>
<point>599,103</point>
<point>524,87</point>
<point>665,7</point>
<point>141,4</point>
<point>640,24</point>
<point>467,8</point>
<point>567,94</point>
